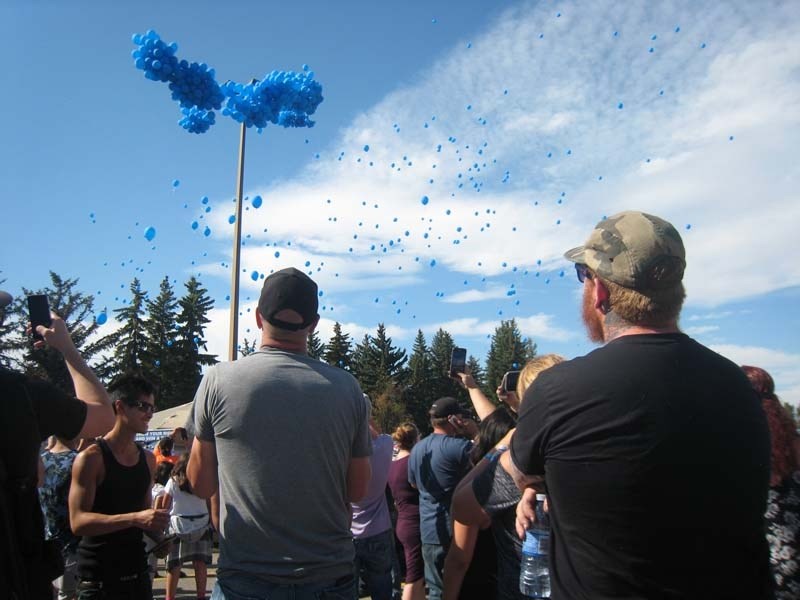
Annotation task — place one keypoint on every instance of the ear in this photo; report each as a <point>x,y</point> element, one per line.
<point>259,320</point>
<point>602,297</point>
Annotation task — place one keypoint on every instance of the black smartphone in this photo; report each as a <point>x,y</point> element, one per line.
<point>509,383</point>
<point>458,362</point>
<point>39,313</point>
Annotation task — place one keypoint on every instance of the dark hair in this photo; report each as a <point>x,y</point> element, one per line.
<point>491,430</point>
<point>163,471</point>
<point>165,444</point>
<point>782,428</point>
<point>130,387</point>
<point>179,473</point>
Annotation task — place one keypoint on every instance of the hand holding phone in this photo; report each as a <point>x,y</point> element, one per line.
<point>38,314</point>
<point>458,362</point>
<point>510,380</point>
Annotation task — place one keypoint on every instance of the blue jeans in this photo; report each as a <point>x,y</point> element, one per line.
<point>374,564</point>
<point>253,589</point>
<point>433,556</point>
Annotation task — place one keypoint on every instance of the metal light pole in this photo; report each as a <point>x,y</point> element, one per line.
<point>233,334</point>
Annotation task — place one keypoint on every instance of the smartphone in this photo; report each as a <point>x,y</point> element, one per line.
<point>509,383</point>
<point>38,313</point>
<point>458,362</point>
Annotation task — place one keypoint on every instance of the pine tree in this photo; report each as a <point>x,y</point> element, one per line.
<point>475,369</point>
<point>388,409</point>
<point>159,358</point>
<point>378,364</point>
<point>314,346</point>
<point>442,384</point>
<point>77,311</point>
<point>129,340</point>
<point>246,348</point>
<point>508,351</point>
<point>338,349</point>
<point>192,319</point>
<point>362,366</point>
<point>416,395</point>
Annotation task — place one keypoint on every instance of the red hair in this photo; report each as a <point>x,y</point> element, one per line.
<point>782,428</point>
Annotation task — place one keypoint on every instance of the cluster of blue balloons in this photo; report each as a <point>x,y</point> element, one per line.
<point>196,120</point>
<point>284,98</point>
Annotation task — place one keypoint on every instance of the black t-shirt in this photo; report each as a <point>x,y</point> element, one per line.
<point>655,453</point>
<point>32,410</point>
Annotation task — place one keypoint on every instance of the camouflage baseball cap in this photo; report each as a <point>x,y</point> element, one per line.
<point>635,250</point>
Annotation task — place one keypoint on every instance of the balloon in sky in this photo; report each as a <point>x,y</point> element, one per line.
<point>284,98</point>
<point>150,234</point>
<point>101,318</point>
<point>257,201</point>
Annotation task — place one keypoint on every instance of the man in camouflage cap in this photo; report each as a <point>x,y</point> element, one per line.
<point>653,450</point>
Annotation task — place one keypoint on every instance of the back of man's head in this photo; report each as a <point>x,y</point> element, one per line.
<point>130,388</point>
<point>640,258</point>
<point>289,300</point>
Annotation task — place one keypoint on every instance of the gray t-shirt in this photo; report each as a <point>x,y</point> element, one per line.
<point>285,428</point>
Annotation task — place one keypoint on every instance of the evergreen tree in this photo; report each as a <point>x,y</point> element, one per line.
<point>388,409</point>
<point>246,348</point>
<point>442,384</point>
<point>129,340</point>
<point>314,346</point>
<point>77,311</point>
<point>159,358</point>
<point>378,364</point>
<point>416,395</point>
<point>508,351</point>
<point>338,349</point>
<point>192,319</point>
<point>10,321</point>
<point>475,369</point>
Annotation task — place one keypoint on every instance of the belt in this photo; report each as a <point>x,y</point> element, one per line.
<point>88,584</point>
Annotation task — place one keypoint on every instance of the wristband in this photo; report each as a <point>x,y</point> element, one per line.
<point>494,455</point>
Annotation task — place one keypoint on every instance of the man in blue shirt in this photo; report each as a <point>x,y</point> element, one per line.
<point>435,467</point>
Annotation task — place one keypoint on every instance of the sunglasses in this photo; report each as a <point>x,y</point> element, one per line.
<point>583,272</point>
<point>144,407</point>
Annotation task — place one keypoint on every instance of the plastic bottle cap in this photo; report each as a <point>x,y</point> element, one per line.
<point>541,497</point>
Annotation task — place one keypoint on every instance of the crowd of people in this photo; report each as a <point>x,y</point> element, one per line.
<point>669,471</point>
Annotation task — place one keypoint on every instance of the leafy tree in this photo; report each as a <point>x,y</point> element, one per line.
<point>159,358</point>
<point>507,351</point>
<point>77,311</point>
<point>192,319</point>
<point>388,409</point>
<point>314,346</point>
<point>338,349</point>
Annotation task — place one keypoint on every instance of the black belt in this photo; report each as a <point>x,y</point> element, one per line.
<point>90,584</point>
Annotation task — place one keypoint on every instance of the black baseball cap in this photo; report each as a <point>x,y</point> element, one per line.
<point>5,299</point>
<point>289,289</point>
<point>444,407</point>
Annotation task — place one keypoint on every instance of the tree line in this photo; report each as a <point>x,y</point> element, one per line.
<point>163,338</point>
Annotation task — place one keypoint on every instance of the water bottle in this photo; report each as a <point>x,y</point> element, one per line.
<point>534,573</point>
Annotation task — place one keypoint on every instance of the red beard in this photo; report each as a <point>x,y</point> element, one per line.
<point>594,325</point>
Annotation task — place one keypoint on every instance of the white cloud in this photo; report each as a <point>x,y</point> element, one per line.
<point>475,295</point>
<point>783,366</point>
<point>701,329</point>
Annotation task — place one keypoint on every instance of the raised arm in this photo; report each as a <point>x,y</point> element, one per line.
<point>87,473</point>
<point>99,414</point>
<point>483,406</point>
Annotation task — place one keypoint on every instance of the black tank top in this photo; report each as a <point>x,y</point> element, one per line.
<point>111,556</point>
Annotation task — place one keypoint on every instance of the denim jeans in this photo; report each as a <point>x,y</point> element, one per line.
<point>374,564</point>
<point>433,555</point>
<point>247,588</point>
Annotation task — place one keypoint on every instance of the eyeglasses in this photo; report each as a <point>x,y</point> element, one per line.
<point>144,407</point>
<point>583,272</point>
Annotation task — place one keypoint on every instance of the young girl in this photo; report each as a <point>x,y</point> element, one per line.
<point>190,521</point>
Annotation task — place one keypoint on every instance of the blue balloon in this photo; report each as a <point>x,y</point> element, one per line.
<point>425,200</point>
<point>257,201</point>
<point>176,183</point>
<point>195,224</point>
<point>101,318</point>
<point>150,233</point>
<point>207,231</point>
<point>254,275</point>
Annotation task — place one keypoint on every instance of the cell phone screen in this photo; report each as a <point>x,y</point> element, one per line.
<point>510,380</point>
<point>458,361</point>
<point>39,313</point>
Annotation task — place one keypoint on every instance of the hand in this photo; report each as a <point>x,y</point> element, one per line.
<point>153,519</point>
<point>55,336</point>
<point>467,380</point>
<point>464,426</point>
<point>526,512</point>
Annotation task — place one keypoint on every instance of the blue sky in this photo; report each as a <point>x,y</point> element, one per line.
<point>524,123</point>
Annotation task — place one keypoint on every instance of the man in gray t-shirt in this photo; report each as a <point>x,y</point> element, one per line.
<point>285,439</point>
